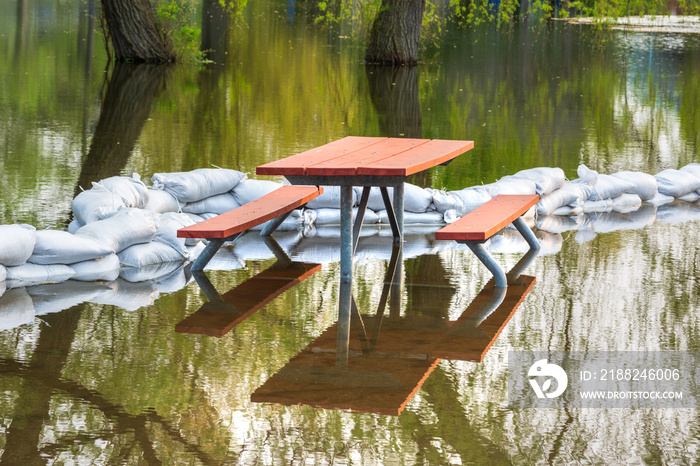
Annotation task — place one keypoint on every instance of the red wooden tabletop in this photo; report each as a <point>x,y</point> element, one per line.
<point>354,155</point>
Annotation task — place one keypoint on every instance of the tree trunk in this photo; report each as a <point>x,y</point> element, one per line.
<point>396,32</point>
<point>134,33</point>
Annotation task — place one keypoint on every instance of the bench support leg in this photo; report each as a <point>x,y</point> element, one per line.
<point>362,209</point>
<point>529,236</point>
<point>209,251</point>
<point>273,224</point>
<point>498,275</point>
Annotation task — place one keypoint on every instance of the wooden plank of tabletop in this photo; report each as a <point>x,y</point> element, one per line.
<point>348,164</point>
<point>296,164</point>
<point>420,158</point>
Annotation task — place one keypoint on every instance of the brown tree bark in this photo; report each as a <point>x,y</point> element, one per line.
<point>395,33</point>
<point>134,33</point>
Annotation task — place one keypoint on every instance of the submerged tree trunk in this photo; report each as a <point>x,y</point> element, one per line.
<point>134,33</point>
<point>396,32</point>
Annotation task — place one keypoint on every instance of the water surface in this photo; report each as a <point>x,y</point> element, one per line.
<point>109,380</point>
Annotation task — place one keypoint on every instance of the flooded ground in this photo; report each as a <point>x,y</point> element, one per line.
<point>99,373</point>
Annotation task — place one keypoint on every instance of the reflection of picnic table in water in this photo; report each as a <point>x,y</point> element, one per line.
<point>388,358</point>
<point>223,312</point>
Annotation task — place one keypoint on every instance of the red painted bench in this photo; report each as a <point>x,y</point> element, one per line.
<point>488,219</point>
<point>274,207</point>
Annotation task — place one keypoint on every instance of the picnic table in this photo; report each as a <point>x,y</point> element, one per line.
<point>368,162</point>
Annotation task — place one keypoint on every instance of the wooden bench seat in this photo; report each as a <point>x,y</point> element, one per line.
<point>273,207</point>
<point>488,219</point>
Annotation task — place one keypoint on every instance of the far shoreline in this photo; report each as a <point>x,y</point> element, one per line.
<point>649,23</point>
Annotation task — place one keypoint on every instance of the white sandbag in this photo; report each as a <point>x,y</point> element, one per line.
<point>415,198</point>
<point>330,199</point>
<point>626,203</point>
<point>690,197</point>
<point>194,217</point>
<point>102,269</point>
<point>295,221</point>
<point>208,215</point>
<point>140,255</point>
<point>74,226</point>
<point>16,243</point>
<point>123,229</point>
<point>586,175</point>
<point>463,201</point>
<point>61,247</point>
<point>197,184</point>
<point>149,272</point>
<point>450,216</point>
<point>332,216</point>
<point>660,199</point>
<point>179,220</point>
<point>161,201</point>
<point>250,190</point>
<point>677,183</point>
<point>414,218</point>
<point>16,308</point>
<point>3,275</point>
<point>569,194</point>
<point>678,212</point>
<point>95,204</point>
<point>28,274</point>
<point>692,168</point>
<point>605,205</point>
<point>56,297</point>
<point>167,226</point>
<point>218,204</point>
<point>126,295</point>
<point>645,184</point>
<point>131,190</point>
<point>546,179</point>
<point>609,187</point>
<point>512,186</point>
<point>444,201</point>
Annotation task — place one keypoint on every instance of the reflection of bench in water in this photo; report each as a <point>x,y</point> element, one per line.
<point>389,358</point>
<point>223,312</point>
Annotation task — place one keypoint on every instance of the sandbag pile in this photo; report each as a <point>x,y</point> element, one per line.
<point>121,223</point>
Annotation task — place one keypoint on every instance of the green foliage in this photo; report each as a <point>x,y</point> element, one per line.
<point>175,18</point>
<point>351,18</point>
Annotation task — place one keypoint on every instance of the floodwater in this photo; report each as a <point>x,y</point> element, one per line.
<point>96,373</point>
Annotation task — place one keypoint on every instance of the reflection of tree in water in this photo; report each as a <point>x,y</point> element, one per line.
<point>42,378</point>
<point>126,106</point>
<point>394,94</point>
